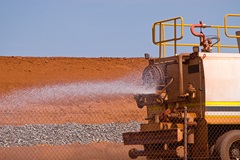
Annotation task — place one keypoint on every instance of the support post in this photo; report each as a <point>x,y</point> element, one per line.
<point>185,133</point>
<point>238,40</point>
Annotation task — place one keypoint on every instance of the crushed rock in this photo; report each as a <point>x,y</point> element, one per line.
<point>61,134</point>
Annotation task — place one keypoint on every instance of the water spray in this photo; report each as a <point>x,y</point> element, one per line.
<point>73,92</point>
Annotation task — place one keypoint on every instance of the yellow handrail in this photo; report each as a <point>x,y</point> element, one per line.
<point>226,26</point>
<point>163,43</point>
<point>218,46</point>
<point>161,37</point>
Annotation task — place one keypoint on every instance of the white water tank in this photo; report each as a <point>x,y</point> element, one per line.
<point>222,87</point>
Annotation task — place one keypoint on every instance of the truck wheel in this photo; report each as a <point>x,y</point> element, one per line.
<point>214,150</point>
<point>228,145</point>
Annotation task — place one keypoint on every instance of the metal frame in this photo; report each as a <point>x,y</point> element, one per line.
<point>162,42</point>
<point>226,26</point>
<point>161,33</point>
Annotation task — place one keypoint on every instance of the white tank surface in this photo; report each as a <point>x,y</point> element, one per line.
<point>222,87</point>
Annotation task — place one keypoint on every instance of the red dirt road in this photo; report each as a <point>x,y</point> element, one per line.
<point>99,151</point>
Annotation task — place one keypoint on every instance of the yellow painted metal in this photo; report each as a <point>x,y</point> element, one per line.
<point>162,39</point>
<point>163,24</point>
<point>164,46</point>
<point>163,43</point>
<point>223,117</point>
<point>223,103</point>
<point>196,44</point>
<point>218,44</point>
<point>226,26</point>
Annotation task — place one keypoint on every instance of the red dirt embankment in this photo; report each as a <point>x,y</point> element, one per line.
<point>21,73</point>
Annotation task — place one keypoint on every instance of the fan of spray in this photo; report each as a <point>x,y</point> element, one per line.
<point>73,92</point>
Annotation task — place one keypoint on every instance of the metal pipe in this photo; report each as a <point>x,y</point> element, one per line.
<point>201,89</point>
<point>160,41</point>
<point>175,37</point>
<point>226,26</point>
<point>164,44</point>
<point>134,153</point>
<point>198,34</point>
<point>238,40</point>
<point>195,44</point>
<point>180,60</point>
<point>185,133</point>
<point>218,44</point>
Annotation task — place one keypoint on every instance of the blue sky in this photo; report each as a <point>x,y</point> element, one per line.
<point>96,28</point>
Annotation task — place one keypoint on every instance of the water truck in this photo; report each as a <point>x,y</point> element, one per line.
<point>194,112</point>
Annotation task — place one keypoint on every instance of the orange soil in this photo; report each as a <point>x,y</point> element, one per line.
<point>18,73</point>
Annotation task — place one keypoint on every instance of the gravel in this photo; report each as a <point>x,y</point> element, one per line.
<point>60,134</point>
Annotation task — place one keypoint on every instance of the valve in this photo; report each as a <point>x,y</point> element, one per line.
<point>204,41</point>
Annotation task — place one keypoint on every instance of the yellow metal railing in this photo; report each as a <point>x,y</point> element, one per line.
<point>226,26</point>
<point>163,43</point>
<point>162,40</point>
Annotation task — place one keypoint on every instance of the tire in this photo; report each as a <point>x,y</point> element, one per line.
<point>214,150</point>
<point>228,146</point>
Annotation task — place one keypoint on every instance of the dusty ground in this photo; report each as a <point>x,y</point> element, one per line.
<point>21,73</point>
